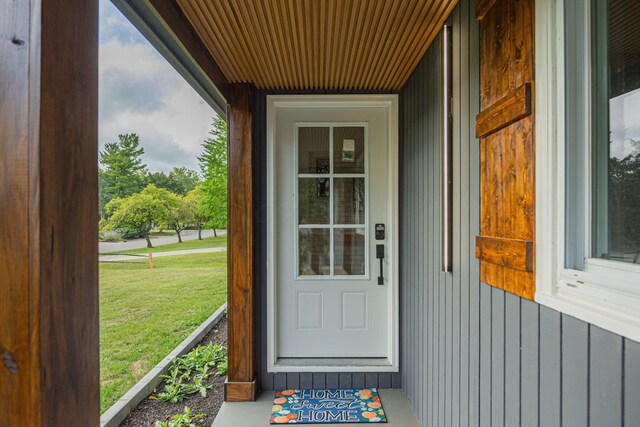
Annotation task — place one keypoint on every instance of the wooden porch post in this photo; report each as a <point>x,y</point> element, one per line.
<point>49,374</point>
<point>241,384</point>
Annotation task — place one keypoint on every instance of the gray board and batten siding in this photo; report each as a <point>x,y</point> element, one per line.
<point>471,354</point>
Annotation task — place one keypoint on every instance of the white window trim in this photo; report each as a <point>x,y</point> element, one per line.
<point>608,294</point>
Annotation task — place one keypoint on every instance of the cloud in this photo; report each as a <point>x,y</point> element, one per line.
<point>141,93</point>
<point>624,127</point>
<point>132,79</point>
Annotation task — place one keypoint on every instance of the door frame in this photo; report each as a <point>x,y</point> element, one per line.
<point>392,362</point>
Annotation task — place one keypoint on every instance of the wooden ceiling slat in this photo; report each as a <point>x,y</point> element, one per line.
<point>297,15</point>
<point>422,47</point>
<point>398,14</point>
<point>243,44</point>
<point>224,18</point>
<point>392,55</point>
<point>383,20</point>
<point>352,71</point>
<point>359,77</point>
<point>283,13</point>
<point>257,21</point>
<point>229,68</point>
<point>283,44</point>
<point>411,43</point>
<point>312,53</point>
<point>364,46</point>
<point>328,41</point>
<point>251,39</point>
<point>224,41</point>
<point>339,53</point>
<point>354,13</point>
<point>317,44</point>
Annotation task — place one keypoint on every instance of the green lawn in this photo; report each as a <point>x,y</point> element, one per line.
<point>145,314</point>
<point>206,242</point>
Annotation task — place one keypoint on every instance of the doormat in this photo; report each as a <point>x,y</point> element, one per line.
<point>350,405</point>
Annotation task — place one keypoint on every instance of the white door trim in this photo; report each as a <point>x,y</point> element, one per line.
<point>390,102</point>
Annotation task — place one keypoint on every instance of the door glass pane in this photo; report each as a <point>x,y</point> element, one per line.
<point>313,200</point>
<point>313,150</point>
<point>313,252</point>
<point>617,134</point>
<point>348,194</point>
<point>348,149</point>
<point>349,251</point>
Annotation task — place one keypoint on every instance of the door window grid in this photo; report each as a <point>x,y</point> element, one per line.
<point>331,226</point>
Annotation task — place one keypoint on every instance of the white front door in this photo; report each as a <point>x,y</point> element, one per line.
<point>332,190</point>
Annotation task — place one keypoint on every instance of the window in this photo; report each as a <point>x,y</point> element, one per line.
<point>331,199</point>
<point>589,152</point>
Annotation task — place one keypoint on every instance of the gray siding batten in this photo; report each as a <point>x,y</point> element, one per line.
<point>605,366</point>
<point>575,372</point>
<point>550,362</point>
<point>513,335</point>
<point>529,371</point>
<point>631,383</point>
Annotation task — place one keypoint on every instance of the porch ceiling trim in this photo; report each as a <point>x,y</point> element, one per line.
<point>318,44</point>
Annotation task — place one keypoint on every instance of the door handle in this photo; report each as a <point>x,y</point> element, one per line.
<point>380,256</point>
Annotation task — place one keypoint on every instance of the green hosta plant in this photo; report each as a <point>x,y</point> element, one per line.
<point>181,420</point>
<point>188,373</point>
<point>223,368</point>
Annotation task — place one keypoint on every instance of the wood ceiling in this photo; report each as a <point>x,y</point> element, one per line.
<point>318,44</point>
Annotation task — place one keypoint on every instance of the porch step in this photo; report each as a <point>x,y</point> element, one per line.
<point>256,414</point>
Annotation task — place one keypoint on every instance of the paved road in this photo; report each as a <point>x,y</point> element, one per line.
<point>107,247</point>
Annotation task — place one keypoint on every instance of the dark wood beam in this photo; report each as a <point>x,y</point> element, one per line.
<point>175,21</point>
<point>49,359</point>
<point>241,384</point>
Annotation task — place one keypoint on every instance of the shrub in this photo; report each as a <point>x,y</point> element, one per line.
<point>111,236</point>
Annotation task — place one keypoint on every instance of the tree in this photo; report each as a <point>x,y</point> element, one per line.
<point>122,173</point>
<point>180,213</point>
<point>139,211</point>
<point>159,179</point>
<point>201,212</point>
<point>213,164</point>
<point>180,180</point>
<point>624,200</point>
<point>183,180</point>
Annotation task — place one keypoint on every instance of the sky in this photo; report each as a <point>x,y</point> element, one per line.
<point>623,113</point>
<point>141,93</point>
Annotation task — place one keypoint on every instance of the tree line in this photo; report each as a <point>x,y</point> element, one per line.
<point>133,200</point>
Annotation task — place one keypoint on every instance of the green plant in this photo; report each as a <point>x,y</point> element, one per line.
<point>111,236</point>
<point>181,420</point>
<point>188,373</point>
<point>174,390</point>
<point>223,368</point>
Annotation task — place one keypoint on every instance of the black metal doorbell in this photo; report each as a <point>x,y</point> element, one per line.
<point>380,232</point>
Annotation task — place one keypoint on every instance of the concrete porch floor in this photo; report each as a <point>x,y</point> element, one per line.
<point>256,414</point>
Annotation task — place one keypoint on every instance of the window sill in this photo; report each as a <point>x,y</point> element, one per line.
<point>613,311</point>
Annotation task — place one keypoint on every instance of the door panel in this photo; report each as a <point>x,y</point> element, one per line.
<point>331,185</point>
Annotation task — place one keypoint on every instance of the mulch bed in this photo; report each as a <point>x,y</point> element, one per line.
<point>149,411</point>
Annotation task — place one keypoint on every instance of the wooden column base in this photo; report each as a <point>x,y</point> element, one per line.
<point>236,391</point>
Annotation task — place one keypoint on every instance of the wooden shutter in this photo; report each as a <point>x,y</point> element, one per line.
<point>504,126</point>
